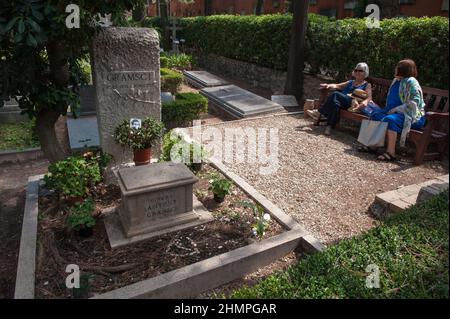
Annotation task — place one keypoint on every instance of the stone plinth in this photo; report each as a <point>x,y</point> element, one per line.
<point>156,199</point>
<point>126,76</point>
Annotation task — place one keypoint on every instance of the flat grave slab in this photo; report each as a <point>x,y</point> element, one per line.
<point>201,79</point>
<point>285,100</point>
<point>240,103</point>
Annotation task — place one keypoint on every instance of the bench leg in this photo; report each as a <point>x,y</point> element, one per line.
<point>421,148</point>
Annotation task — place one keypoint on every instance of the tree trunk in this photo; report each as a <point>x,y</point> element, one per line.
<point>208,7</point>
<point>52,129</point>
<point>53,136</point>
<point>296,65</point>
<point>259,7</point>
<point>164,14</point>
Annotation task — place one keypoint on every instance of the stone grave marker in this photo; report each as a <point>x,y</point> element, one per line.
<point>126,75</point>
<point>201,79</point>
<point>156,199</point>
<point>285,100</point>
<point>239,103</point>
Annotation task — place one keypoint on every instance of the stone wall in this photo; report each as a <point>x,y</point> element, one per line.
<point>257,76</point>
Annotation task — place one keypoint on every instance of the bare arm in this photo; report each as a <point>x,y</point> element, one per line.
<point>369,96</point>
<point>339,86</point>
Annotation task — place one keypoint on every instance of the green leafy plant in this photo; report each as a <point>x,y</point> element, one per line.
<point>220,186</point>
<point>178,61</point>
<point>195,153</point>
<point>85,286</point>
<point>186,108</point>
<point>164,61</point>
<point>171,80</point>
<point>73,176</point>
<point>80,216</point>
<point>262,219</point>
<point>139,138</point>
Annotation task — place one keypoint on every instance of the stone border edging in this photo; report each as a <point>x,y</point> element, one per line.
<point>20,156</point>
<point>26,264</point>
<point>192,280</point>
<point>188,281</point>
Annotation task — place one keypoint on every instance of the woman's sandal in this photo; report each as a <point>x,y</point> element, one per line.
<point>386,157</point>
<point>365,149</point>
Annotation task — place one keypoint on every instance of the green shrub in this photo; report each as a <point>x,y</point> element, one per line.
<point>186,108</point>
<point>81,215</point>
<point>332,46</point>
<point>164,61</point>
<point>73,176</point>
<point>178,61</point>
<point>410,249</point>
<point>170,80</point>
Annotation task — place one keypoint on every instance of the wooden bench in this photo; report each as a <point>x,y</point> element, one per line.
<point>435,132</point>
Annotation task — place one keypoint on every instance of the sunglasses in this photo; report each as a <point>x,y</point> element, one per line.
<point>356,70</point>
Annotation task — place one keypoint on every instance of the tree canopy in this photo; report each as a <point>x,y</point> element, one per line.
<point>40,57</point>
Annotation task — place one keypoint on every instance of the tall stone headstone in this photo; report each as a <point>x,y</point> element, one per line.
<point>127,79</point>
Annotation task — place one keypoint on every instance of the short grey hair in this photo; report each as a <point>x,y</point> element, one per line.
<point>365,67</point>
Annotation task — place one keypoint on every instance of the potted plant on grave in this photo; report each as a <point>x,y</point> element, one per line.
<point>139,138</point>
<point>73,177</point>
<point>80,218</point>
<point>196,152</point>
<point>221,187</point>
<point>197,155</point>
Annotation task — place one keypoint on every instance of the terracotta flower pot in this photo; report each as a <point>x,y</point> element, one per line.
<point>197,167</point>
<point>74,200</point>
<point>218,199</point>
<point>85,232</point>
<point>142,157</point>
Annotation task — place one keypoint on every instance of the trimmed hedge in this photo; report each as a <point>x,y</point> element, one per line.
<point>170,80</point>
<point>410,249</point>
<point>186,108</point>
<point>333,46</point>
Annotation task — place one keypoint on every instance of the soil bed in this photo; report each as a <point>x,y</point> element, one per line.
<point>104,269</point>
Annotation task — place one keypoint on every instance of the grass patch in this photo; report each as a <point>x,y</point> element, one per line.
<point>410,249</point>
<point>17,136</point>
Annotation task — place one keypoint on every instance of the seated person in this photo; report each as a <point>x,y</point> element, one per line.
<point>405,108</point>
<point>341,99</point>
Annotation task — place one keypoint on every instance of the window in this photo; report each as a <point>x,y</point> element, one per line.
<point>350,4</point>
<point>329,12</point>
<point>276,4</point>
<point>406,1</point>
<point>444,5</point>
<point>312,2</point>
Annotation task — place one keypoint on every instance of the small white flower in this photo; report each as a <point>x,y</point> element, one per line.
<point>267,217</point>
<point>211,181</point>
<point>255,231</point>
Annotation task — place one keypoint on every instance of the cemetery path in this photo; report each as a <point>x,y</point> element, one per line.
<point>13,181</point>
<point>324,182</point>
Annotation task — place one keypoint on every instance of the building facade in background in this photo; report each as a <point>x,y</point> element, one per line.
<point>334,8</point>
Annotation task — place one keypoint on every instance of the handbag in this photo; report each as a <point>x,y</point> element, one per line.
<point>372,133</point>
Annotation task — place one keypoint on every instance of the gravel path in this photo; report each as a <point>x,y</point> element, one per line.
<point>324,182</point>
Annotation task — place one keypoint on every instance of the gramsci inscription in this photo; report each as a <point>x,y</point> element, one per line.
<point>132,86</point>
<point>161,205</point>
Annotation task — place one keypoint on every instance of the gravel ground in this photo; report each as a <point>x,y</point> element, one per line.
<point>324,182</point>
